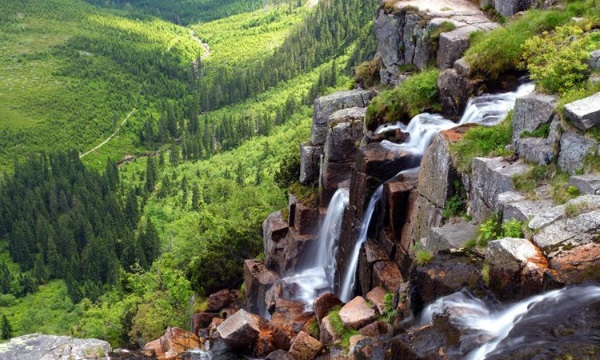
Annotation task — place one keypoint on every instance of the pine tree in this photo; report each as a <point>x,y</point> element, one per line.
<point>151,174</point>
<point>6,328</point>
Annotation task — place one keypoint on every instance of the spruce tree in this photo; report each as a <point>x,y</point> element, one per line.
<point>6,328</point>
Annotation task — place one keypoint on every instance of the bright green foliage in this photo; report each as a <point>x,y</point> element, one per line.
<point>422,256</point>
<point>338,327</point>
<point>6,328</point>
<point>481,141</point>
<point>456,205</point>
<point>557,60</point>
<point>413,96</point>
<point>541,132</point>
<point>489,230</point>
<point>512,228</point>
<point>390,313</point>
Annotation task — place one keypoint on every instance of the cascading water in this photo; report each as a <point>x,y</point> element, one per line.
<point>422,128</point>
<point>317,271</point>
<point>490,109</point>
<point>517,325</point>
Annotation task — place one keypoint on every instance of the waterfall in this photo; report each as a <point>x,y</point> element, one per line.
<point>478,320</point>
<point>318,269</point>
<point>422,128</point>
<point>347,285</point>
<point>490,109</point>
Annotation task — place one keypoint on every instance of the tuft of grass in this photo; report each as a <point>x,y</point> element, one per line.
<point>304,194</point>
<point>512,228</point>
<point>456,205</point>
<point>485,274</point>
<point>338,327</point>
<point>482,141</point>
<point>389,312</point>
<point>434,36</point>
<point>422,256</point>
<point>366,74</point>
<point>413,96</point>
<point>541,132</point>
<point>313,329</point>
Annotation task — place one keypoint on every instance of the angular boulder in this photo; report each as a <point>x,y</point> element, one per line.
<point>532,111</point>
<point>258,280</point>
<point>573,150</point>
<point>454,92</point>
<point>536,150</point>
<point>240,330</point>
<point>324,303</point>
<point>376,296</point>
<point>584,113</point>
<point>525,210</point>
<point>275,228</point>
<point>450,236</point>
<point>305,347</point>
<point>594,61</point>
<point>453,44</point>
<point>357,313</point>
<point>218,300</point>
<point>345,132</point>
<point>588,184</point>
<point>387,275</point>
<point>578,265</point>
<point>327,334</point>
<point>39,346</point>
<point>173,343</point>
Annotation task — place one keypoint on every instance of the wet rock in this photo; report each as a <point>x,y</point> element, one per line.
<point>535,150</point>
<point>325,106</point>
<point>525,210</point>
<point>586,184</point>
<point>269,339</point>
<point>173,343</point>
<point>579,264</point>
<point>383,162</point>
<point>306,220</point>
<point>290,317</point>
<point>332,178</point>
<point>310,157</point>
<point>240,330</point>
<point>258,280</point>
<point>573,150</point>
<point>50,347</point>
<point>275,228</point>
<point>370,253</point>
<point>397,195</point>
<point>305,347</point>
<point>491,177</point>
<point>517,268</point>
<point>584,113</point>
<point>387,275</point>
<point>376,329</point>
<point>443,275</point>
<point>454,92</point>
<point>357,313</point>
<point>324,303</point>
<point>218,300</point>
<point>283,256</point>
<point>452,45</point>
<point>450,236</point>
<point>532,111</point>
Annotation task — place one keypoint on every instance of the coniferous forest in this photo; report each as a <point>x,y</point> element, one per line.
<point>110,239</point>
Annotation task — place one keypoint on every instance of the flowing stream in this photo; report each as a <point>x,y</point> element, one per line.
<point>517,325</point>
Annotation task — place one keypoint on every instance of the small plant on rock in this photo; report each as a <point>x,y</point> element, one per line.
<point>389,312</point>
<point>512,228</point>
<point>422,256</point>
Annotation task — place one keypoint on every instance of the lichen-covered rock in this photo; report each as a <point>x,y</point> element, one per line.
<point>536,150</point>
<point>173,343</point>
<point>240,330</point>
<point>310,157</point>
<point>573,150</point>
<point>532,111</point>
<point>525,210</point>
<point>578,265</point>
<point>357,313</point>
<point>491,177</point>
<point>450,236</point>
<point>584,113</point>
<point>325,106</point>
<point>305,347</point>
<point>50,347</point>
<point>568,232</point>
<point>345,132</point>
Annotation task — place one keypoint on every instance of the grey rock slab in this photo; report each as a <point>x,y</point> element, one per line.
<point>584,113</point>
<point>510,253</point>
<point>240,329</point>
<point>508,8</point>
<point>452,45</point>
<point>547,217</point>
<point>573,150</point>
<point>587,184</point>
<point>344,134</point>
<point>310,157</point>
<point>575,231</point>
<point>531,111</point>
<point>450,236</point>
<point>594,61</point>
<point>523,211</point>
<point>50,347</point>
<point>535,150</point>
<point>506,198</point>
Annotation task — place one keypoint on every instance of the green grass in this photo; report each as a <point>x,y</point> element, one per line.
<point>481,141</point>
<point>338,328</point>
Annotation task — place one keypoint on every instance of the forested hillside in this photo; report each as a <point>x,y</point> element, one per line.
<point>121,246</point>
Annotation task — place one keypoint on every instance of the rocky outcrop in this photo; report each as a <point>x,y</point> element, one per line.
<point>258,280</point>
<point>407,35</point>
<point>531,112</point>
<point>325,303</point>
<point>450,236</point>
<point>310,157</point>
<point>50,347</point>
<point>240,330</point>
<point>305,347</point>
<point>586,184</point>
<point>454,89</point>
<point>573,150</point>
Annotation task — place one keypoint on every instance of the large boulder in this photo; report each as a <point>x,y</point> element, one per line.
<point>532,111</point>
<point>536,150</point>
<point>357,313</point>
<point>577,265</point>
<point>327,334</point>
<point>218,300</point>
<point>491,177</point>
<point>525,210</point>
<point>172,344</point>
<point>258,280</point>
<point>51,347</point>
<point>240,330</point>
<point>305,347</point>
<point>588,184</point>
<point>454,92</point>
<point>345,132</point>
<point>517,268</point>
<point>325,106</point>
<point>453,44</point>
<point>508,8</point>
<point>584,113</point>
<point>275,228</point>
<point>324,303</point>
<point>450,236</point>
<point>573,150</point>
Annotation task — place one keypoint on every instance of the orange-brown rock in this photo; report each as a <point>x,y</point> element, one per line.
<point>324,303</point>
<point>202,320</point>
<point>579,264</point>
<point>357,313</point>
<point>376,297</point>
<point>387,275</point>
<point>219,300</point>
<point>305,347</point>
<point>290,316</point>
<point>174,342</point>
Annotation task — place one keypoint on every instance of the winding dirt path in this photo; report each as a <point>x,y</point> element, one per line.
<point>110,137</point>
